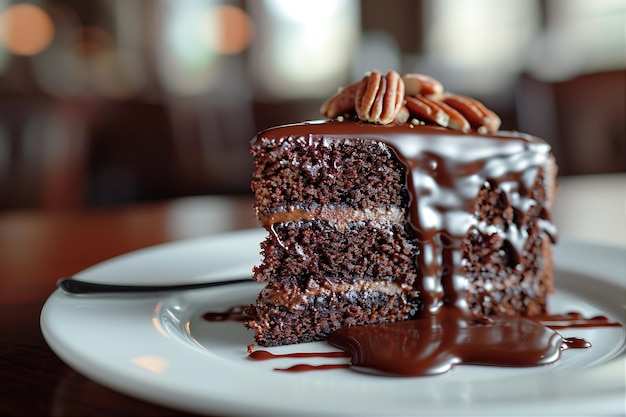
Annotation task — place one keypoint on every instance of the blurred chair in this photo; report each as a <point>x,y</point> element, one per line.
<point>43,151</point>
<point>211,137</point>
<point>73,154</point>
<point>583,118</point>
<point>132,155</point>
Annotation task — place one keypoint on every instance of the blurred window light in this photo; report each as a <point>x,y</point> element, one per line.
<point>304,48</point>
<point>581,36</point>
<point>26,29</point>
<point>5,56</point>
<point>122,71</point>
<point>479,46</point>
<point>377,50</point>
<point>186,61</point>
<point>5,154</point>
<point>58,70</point>
<point>90,40</point>
<point>108,69</point>
<point>86,60</point>
<point>227,30</point>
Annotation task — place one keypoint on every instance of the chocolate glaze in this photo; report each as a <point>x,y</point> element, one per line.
<point>303,367</point>
<point>263,355</point>
<point>572,320</point>
<point>235,313</point>
<point>575,343</point>
<point>436,343</point>
<point>445,170</point>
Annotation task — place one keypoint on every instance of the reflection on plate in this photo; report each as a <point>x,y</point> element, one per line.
<point>157,347</point>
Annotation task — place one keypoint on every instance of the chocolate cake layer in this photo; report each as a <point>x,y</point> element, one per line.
<point>426,216</point>
<point>308,172</point>
<point>340,251</point>
<point>510,272</point>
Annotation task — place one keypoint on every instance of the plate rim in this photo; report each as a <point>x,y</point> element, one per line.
<point>225,406</point>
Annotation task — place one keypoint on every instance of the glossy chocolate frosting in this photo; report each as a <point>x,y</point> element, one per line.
<point>435,344</point>
<point>445,170</point>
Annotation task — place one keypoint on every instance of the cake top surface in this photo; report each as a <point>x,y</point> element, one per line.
<point>381,106</point>
<point>346,128</point>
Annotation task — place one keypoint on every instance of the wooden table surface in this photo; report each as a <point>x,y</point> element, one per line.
<point>37,247</point>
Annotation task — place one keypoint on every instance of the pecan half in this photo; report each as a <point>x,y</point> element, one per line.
<point>379,99</point>
<point>479,117</point>
<point>426,110</point>
<point>403,115</point>
<point>395,99</point>
<point>429,109</point>
<point>421,84</point>
<point>341,103</point>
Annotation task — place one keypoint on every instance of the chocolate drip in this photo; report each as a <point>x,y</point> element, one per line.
<point>572,320</point>
<point>303,367</point>
<point>236,313</point>
<point>436,343</point>
<point>263,355</point>
<point>445,171</point>
<point>442,201</point>
<point>575,343</point>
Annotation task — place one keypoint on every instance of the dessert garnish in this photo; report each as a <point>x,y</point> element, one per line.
<point>408,231</point>
<point>391,98</point>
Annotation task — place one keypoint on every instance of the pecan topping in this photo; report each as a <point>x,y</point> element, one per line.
<point>478,116</point>
<point>341,103</point>
<point>416,97</point>
<point>436,112</point>
<point>427,110</point>
<point>403,115</point>
<point>379,99</point>
<point>421,84</point>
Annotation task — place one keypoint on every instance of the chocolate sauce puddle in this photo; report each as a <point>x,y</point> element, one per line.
<point>573,320</point>
<point>436,343</point>
<point>263,355</point>
<point>235,313</point>
<point>303,367</point>
<point>575,343</point>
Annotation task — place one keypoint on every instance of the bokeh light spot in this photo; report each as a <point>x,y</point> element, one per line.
<point>227,29</point>
<point>26,29</point>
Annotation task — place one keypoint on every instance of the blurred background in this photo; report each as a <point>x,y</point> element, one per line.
<point>110,102</point>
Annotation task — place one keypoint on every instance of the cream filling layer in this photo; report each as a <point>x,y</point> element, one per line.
<point>299,300</point>
<point>339,217</point>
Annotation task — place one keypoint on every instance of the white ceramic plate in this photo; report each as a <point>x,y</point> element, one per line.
<point>157,347</point>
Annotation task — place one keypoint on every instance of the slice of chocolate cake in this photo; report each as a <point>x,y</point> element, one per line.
<point>407,201</point>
